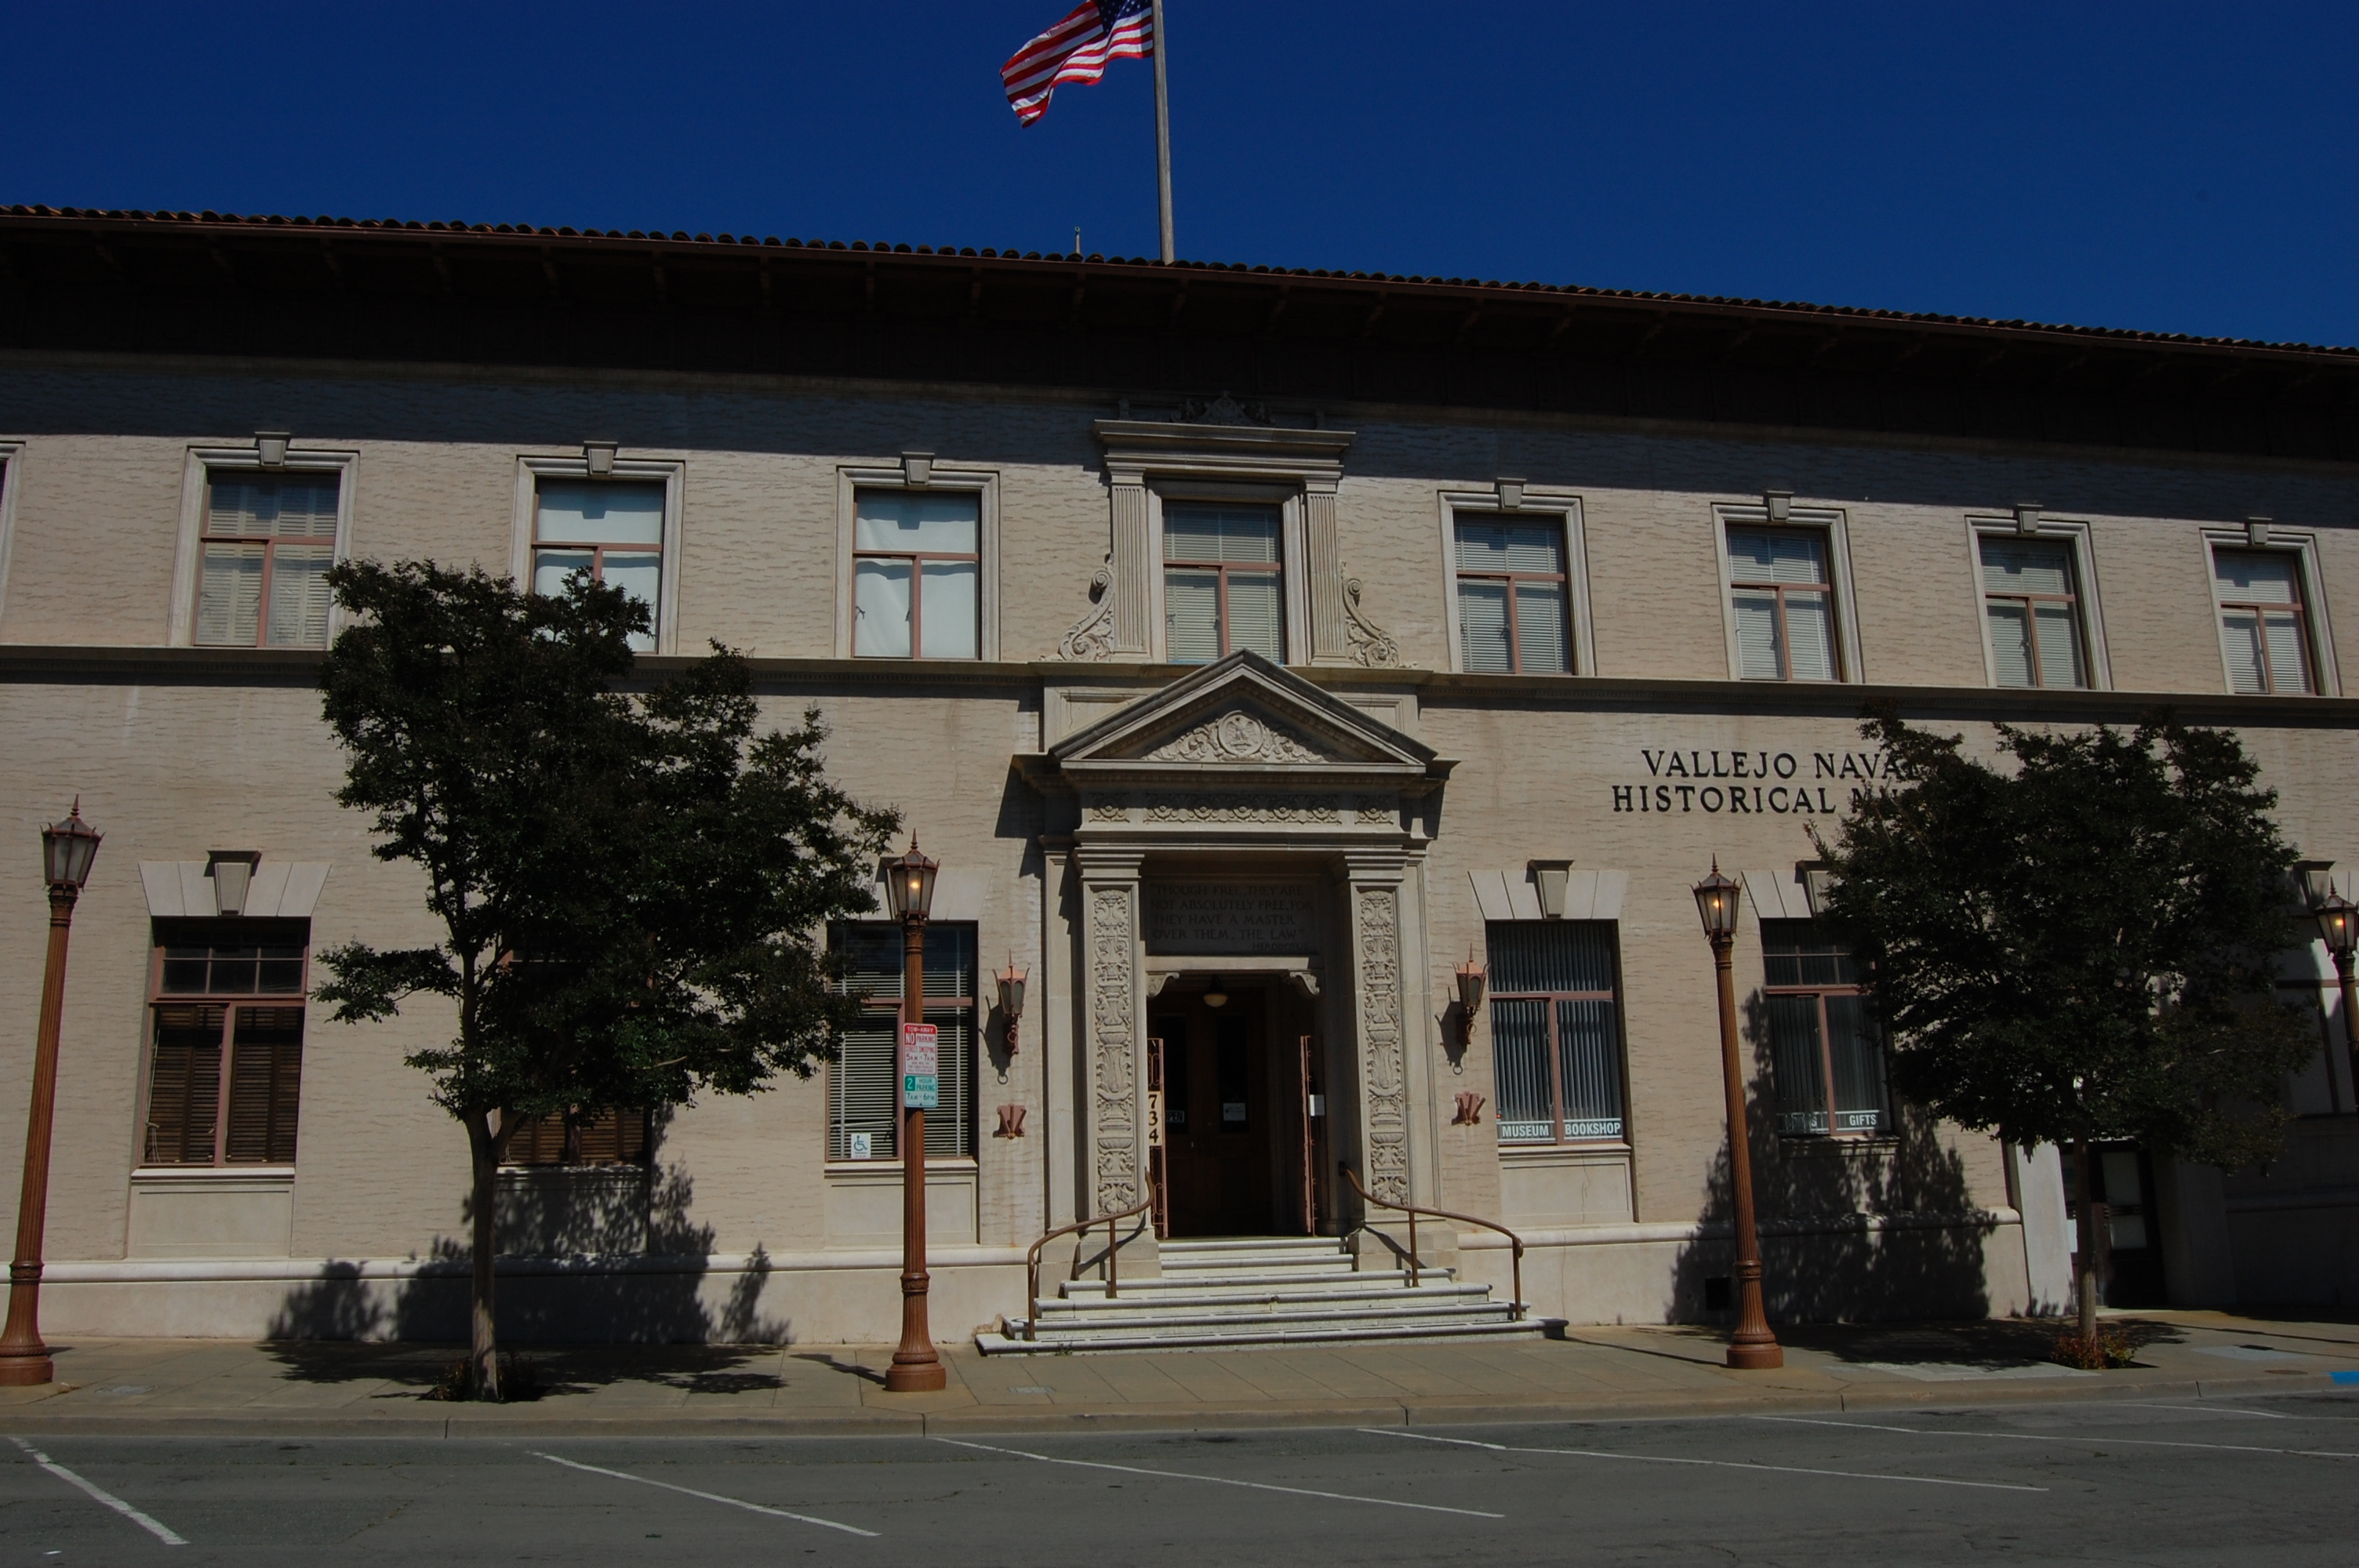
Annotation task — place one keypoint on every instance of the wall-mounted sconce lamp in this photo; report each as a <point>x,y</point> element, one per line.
<point>1550,877</point>
<point>233,873</point>
<point>270,449</point>
<point>1471,980</point>
<point>600,457</point>
<point>1214,995</point>
<point>1011,997</point>
<point>1779,504</point>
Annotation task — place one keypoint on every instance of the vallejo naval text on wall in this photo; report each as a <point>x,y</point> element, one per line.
<point>1756,783</point>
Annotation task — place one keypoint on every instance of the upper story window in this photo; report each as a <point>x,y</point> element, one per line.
<point>1825,1055</point>
<point>1513,600</point>
<point>1223,581</point>
<point>916,574</point>
<point>226,1067</point>
<point>1782,595</point>
<point>863,1105</point>
<point>612,529</point>
<point>266,543</point>
<point>1556,1029</point>
<point>2031,601</point>
<point>2264,621</point>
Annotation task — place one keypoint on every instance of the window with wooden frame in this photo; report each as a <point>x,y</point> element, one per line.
<point>1826,1055</point>
<point>264,544</point>
<point>1513,607</point>
<point>225,1063</point>
<point>2264,621</point>
<point>1783,598</point>
<point>586,1138</point>
<point>916,574</point>
<point>1556,1029</point>
<point>864,1103</point>
<point>2031,603</point>
<point>1223,580</point>
<point>612,529</point>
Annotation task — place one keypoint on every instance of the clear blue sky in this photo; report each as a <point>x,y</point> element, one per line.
<point>2170,166</point>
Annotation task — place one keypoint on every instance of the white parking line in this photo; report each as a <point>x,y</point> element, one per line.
<point>1718,1464</point>
<point>159,1531</point>
<point>707,1496</point>
<point>2102,1440</point>
<point>1222,1480</point>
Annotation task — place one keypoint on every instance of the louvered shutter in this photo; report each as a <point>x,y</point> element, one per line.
<point>184,1085</point>
<point>265,1086</point>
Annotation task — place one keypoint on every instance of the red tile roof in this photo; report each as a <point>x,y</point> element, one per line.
<point>682,236</point>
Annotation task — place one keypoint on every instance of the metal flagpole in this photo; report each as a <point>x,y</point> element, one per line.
<point>1162,137</point>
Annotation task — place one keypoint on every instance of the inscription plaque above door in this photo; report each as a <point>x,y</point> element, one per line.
<point>1231,918</point>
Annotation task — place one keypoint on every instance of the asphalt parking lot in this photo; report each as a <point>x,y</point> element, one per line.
<point>2249,1481</point>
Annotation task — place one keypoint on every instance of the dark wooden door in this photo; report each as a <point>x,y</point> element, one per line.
<point>1217,1119</point>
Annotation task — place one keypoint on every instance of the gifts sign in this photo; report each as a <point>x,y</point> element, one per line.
<point>922,1061</point>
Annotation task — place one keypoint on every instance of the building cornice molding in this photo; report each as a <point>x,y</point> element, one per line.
<point>37,665</point>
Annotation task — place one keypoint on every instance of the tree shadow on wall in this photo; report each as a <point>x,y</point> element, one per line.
<point>593,1256</point>
<point>1812,1199</point>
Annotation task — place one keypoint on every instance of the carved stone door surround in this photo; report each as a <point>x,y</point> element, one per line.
<point>1238,763</point>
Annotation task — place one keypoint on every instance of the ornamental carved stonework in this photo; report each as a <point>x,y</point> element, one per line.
<point>1236,736</point>
<point>1383,1065</point>
<point>1112,1006</point>
<point>1242,808</point>
<point>1370,643</point>
<point>1091,637</point>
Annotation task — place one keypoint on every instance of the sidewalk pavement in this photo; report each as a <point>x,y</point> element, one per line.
<point>223,1388</point>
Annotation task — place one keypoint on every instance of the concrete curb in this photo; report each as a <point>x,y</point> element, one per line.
<point>521,1423</point>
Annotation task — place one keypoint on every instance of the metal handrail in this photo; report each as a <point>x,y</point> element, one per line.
<point>1114,1253</point>
<point>1413,1210</point>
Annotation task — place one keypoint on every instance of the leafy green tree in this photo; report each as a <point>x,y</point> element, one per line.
<point>632,890</point>
<point>2078,947</point>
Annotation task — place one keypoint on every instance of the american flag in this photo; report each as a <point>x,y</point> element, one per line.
<point>1076,50</point>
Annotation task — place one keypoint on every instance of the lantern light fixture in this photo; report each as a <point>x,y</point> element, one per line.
<point>1011,997</point>
<point>909,884</point>
<point>68,848</point>
<point>1214,996</point>
<point>2338,923</point>
<point>1472,980</point>
<point>1715,899</point>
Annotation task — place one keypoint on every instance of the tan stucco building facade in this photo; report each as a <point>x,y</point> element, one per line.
<point>1294,640</point>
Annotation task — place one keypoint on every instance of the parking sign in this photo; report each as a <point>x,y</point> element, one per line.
<point>921,1060</point>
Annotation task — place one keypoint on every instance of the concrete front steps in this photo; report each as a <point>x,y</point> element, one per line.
<point>1261,1290</point>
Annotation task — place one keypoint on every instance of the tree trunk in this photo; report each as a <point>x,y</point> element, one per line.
<point>483,1344</point>
<point>2085,1263</point>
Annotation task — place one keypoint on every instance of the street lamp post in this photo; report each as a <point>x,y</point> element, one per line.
<point>2338,921</point>
<point>1754,1347</point>
<point>909,886</point>
<point>68,848</point>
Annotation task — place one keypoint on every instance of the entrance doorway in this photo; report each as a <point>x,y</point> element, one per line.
<point>1232,1122</point>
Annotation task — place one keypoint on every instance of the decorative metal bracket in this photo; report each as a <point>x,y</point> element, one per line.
<point>1092,636</point>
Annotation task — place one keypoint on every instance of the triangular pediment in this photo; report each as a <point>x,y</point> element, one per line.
<point>1241,716</point>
